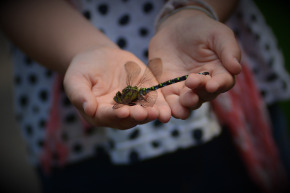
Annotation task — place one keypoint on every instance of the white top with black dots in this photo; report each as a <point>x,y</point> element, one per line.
<point>130,25</point>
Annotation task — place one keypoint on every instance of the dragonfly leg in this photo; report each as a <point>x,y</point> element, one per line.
<point>132,104</point>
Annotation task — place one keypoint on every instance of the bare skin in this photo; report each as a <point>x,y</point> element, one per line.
<point>60,38</point>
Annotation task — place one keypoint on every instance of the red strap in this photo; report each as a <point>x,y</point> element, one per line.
<point>243,111</point>
<point>53,146</point>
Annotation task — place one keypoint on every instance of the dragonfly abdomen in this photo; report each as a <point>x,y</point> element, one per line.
<point>167,83</point>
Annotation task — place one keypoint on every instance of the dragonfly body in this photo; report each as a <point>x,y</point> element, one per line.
<point>144,91</point>
<point>132,94</point>
<point>128,96</point>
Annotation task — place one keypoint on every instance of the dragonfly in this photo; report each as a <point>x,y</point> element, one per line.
<point>134,93</point>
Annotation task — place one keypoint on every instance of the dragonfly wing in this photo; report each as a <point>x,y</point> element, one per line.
<point>149,99</point>
<point>133,70</point>
<point>155,66</point>
<point>149,74</point>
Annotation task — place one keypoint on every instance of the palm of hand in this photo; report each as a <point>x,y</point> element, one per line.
<point>92,81</point>
<point>197,44</point>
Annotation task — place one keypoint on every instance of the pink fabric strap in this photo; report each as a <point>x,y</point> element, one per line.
<point>54,148</point>
<point>242,110</point>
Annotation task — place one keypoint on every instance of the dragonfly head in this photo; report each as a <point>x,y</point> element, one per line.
<point>117,97</point>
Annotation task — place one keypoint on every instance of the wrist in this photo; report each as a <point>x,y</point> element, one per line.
<point>174,6</point>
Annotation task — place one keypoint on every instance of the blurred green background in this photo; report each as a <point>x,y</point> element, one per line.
<point>277,15</point>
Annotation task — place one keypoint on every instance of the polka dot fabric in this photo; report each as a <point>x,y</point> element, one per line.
<point>130,25</point>
<point>127,23</point>
<point>264,56</point>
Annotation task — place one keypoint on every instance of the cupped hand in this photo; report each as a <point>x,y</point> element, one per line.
<point>190,42</point>
<point>92,80</point>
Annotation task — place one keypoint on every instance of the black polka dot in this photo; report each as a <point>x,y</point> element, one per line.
<point>43,95</point>
<point>48,73</point>
<point>236,32</point>
<point>135,134</point>
<point>17,80</point>
<point>111,144</point>
<point>40,143</point>
<point>175,133</point>
<point>87,14</point>
<point>133,156</point>
<point>23,101</point>
<point>70,118</point>
<point>90,130</point>
<point>284,85</point>
<point>272,77</point>
<point>103,9</point>
<point>157,123</point>
<point>197,134</point>
<point>32,78</point>
<point>42,123</point>
<point>77,148</point>
<point>28,61</point>
<point>143,31</point>
<point>267,46</point>
<point>257,36</point>
<point>122,43</point>
<point>145,53</point>
<point>29,130</point>
<point>147,7</point>
<point>253,18</point>
<point>66,102</point>
<point>263,93</point>
<point>64,136</point>
<point>255,70</point>
<point>155,144</point>
<point>124,20</point>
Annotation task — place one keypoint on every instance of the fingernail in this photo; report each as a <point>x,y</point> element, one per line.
<point>84,106</point>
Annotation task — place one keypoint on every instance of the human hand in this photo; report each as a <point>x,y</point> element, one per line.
<point>92,80</point>
<point>190,42</point>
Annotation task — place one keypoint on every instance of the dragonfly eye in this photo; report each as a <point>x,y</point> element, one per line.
<point>118,93</point>
<point>117,97</point>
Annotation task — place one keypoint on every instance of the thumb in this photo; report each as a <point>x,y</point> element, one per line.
<point>79,92</point>
<point>228,51</point>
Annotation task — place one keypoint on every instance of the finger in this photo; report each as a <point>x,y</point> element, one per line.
<point>114,118</point>
<point>138,113</point>
<point>78,90</point>
<point>220,82</point>
<point>188,98</point>
<point>163,109</point>
<point>228,51</point>
<point>177,110</point>
<point>193,100</point>
<point>164,113</point>
<point>195,81</point>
